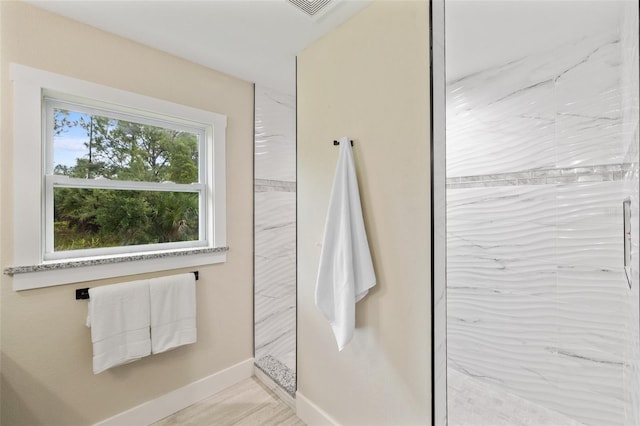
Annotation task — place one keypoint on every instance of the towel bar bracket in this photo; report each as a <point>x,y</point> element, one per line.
<point>83,293</point>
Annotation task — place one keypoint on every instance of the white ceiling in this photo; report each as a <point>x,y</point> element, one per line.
<point>255,40</point>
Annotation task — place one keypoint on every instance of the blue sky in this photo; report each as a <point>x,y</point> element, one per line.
<point>69,144</point>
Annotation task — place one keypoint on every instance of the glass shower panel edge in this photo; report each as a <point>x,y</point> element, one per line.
<point>439,211</point>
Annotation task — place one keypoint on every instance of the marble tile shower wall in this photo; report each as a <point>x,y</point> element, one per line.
<point>275,237</point>
<point>538,303</point>
<point>535,294</point>
<point>630,136</point>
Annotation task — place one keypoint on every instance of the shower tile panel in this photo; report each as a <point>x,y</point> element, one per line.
<point>505,340</point>
<point>476,403</point>
<point>555,109</point>
<point>525,278</point>
<point>515,203</point>
<point>597,400</point>
<point>632,372</point>
<point>480,126</point>
<point>589,225</point>
<point>495,243</point>
<point>275,143</point>
<point>592,315</point>
<point>501,278</point>
<point>587,140</point>
<point>575,248</point>
<point>535,290</point>
<point>630,134</point>
<point>578,91</point>
<point>275,276</point>
<point>629,79</point>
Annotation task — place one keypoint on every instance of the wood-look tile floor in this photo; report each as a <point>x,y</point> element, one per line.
<point>248,403</point>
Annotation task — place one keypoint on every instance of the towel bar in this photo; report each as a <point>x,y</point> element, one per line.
<point>338,143</point>
<point>83,293</point>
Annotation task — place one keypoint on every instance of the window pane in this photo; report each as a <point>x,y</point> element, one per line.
<point>93,146</point>
<point>96,218</point>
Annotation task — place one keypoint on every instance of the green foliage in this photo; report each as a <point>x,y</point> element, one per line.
<point>121,150</point>
<point>61,121</point>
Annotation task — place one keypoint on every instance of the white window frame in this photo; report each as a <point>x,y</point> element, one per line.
<point>60,101</point>
<point>34,182</point>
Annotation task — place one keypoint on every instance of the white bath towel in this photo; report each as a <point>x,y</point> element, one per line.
<point>119,320</point>
<point>173,312</point>
<point>345,273</point>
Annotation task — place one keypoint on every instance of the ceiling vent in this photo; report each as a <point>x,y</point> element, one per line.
<point>313,8</point>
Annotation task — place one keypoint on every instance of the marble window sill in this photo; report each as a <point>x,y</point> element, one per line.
<point>74,271</point>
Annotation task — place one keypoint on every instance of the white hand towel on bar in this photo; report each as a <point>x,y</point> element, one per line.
<point>345,273</point>
<point>173,312</point>
<point>119,321</point>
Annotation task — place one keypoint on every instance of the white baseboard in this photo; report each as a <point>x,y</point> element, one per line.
<point>311,414</point>
<point>275,388</point>
<point>165,405</point>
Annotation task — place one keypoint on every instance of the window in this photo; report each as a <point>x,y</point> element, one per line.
<point>120,184</point>
<point>102,173</point>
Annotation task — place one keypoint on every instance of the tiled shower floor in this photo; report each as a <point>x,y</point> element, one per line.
<point>474,403</point>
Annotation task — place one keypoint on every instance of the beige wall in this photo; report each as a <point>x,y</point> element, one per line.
<point>369,80</point>
<point>46,349</point>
